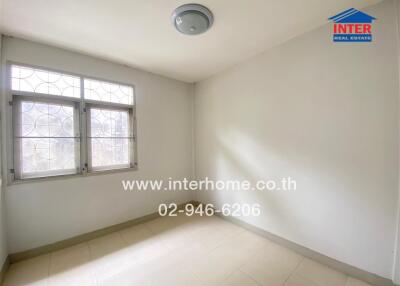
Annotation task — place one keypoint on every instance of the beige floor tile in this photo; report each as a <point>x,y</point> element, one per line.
<point>159,225</point>
<point>217,265</point>
<point>183,255</point>
<point>198,251</point>
<point>228,228</point>
<point>178,242</point>
<point>175,275</point>
<point>355,282</point>
<point>297,280</point>
<point>71,278</point>
<point>71,266</point>
<point>249,242</point>
<point>32,272</point>
<point>142,245</point>
<point>153,273</point>
<point>272,265</point>
<point>136,234</point>
<point>189,223</point>
<point>239,278</point>
<point>211,238</point>
<point>205,237</point>
<point>133,276</point>
<point>178,237</point>
<point>110,255</point>
<point>195,233</point>
<point>203,221</point>
<point>321,274</point>
<point>105,245</point>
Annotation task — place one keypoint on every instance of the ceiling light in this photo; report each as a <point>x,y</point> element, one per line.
<point>192,19</point>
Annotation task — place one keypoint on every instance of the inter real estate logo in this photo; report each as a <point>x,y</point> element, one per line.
<point>352,26</point>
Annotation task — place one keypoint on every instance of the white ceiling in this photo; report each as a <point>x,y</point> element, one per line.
<point>139,33</point>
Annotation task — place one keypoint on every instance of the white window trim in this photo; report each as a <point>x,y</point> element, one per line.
<point>17,99</point>
<point>130,110</point>
<point>11,96</point>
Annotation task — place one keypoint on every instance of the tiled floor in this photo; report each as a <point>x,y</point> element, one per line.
<point>174,251</point>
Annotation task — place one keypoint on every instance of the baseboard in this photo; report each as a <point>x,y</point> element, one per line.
<point>4,269</point>
<point>27,254</point>
<point>355,272</point>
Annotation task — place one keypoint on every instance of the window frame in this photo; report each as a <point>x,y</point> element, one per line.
<point>17,99</point>
<point>130,111</point>
<point>12,98</point>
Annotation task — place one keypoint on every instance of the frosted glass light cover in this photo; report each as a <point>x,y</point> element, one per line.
<point>192,23</point>
<point>192,19</point>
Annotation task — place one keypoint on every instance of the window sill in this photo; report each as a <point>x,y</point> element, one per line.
<point>71,176</point>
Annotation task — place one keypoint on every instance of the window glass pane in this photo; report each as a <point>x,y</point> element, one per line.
<point>46,120</point>
<point>41,81</point>
<point>47,156</point>
<point>109,123</point>
<point>45,136</point>
<point>110,152</point>
<point>109,92</point>
<point>110,138</point>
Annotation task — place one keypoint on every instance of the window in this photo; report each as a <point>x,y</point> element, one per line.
<point>65,124</point>
<point>41,81</point>
<point>45,138</point>
<point>109,92</point>
<point>109,138</point>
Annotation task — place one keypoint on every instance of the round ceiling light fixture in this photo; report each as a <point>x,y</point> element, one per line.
<point>192,19</point>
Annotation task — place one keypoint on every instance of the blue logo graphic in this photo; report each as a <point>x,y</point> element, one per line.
<point>352,26</point>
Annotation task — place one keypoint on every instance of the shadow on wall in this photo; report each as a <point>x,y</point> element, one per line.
<point>240,158</point>
<point>322,168</point>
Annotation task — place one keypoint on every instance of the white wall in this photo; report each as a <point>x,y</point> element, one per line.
<point>396,264</point>
<point>325,114</point>
<point>3,238</point>
<point>43,212</point>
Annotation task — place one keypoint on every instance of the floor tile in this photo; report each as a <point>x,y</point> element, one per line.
<point>72,266</point>
<point>355,282</point>
<point>109,255</point>
<point>297,280</point>
<point>239,278</point>
<point>32,272</point>
<point>272,265</point>
<point>131,276</point>
<point>214,267</point>
<point>161,224</point>
<point>175,275</point>
<point>136,234</point>
<point>177,251</point>
<point>320,274</point>
<point>142,245</point>
<point>178,237</point>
